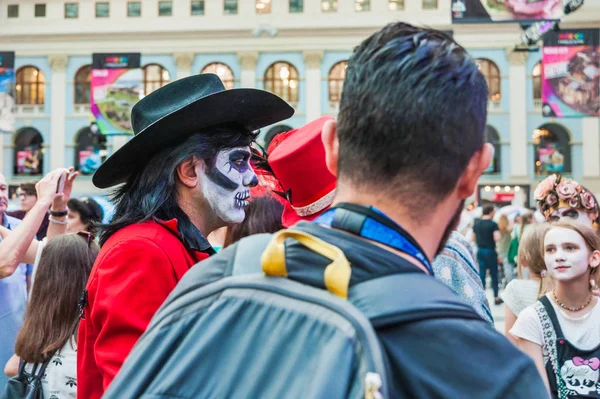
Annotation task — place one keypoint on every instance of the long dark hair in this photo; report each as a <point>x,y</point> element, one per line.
<point>151,191</point>
<point>52,316</point>
<point>263,215</point>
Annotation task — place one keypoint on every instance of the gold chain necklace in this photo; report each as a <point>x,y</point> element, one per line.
<point>562,305</point>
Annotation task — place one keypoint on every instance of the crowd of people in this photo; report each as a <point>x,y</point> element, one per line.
<point>326,263</point>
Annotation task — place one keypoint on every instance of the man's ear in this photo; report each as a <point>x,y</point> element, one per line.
<point>478,164</point>
<point>188,171</point>
<point>332,145</point>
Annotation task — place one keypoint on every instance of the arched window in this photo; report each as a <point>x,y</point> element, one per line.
<point>29,154</point>
<point>155,77</point>
<point>492,137</point>
<point>281,78</point>
<point>492,76</point>
<point>90,150</point>
<point>536,77</point>
<point>222,71</point>
<point>337,74</point>
<point>83,80</point>
<point>30,85</point>
<point>552,149</point>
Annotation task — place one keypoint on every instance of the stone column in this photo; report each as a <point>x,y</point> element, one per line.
<point>58,90</point>
<point>184,63</point>
<point>312,60</point>
<point>518,112</point>
<point>591,147</point>
<point>248,61</point>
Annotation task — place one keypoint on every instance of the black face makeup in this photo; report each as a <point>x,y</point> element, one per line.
<point>237,160</point>
<point>571,214</point>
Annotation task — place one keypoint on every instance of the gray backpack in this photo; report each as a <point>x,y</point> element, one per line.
<point>261,335</point>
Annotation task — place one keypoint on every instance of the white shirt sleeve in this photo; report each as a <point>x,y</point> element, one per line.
<point>528,326</point>
<point>38,255</point>
<point>511,299</point>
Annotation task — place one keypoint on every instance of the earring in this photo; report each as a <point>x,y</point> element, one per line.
<point>544,273</point>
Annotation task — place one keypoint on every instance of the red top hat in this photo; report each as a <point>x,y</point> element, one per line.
<point>298,162</point>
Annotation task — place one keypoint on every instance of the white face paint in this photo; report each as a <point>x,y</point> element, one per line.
<point>226,184</point>
<point>566,254</point>
<point>570,214</point>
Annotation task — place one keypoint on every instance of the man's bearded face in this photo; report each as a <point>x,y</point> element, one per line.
<point>226,183</point>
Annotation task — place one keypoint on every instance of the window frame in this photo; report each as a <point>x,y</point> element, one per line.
<point>85,84</point>
<point>390,2</point>
<point>39,6</point>
<point>237,7</point>
<point>161,82</point>
<point>199,2</point>
<point>76,7</point>
<point>34,141</point>
<point>131,3</point>
<point>40,99</point>
<point>228,83</point>
<point>266,10</point>
<point>101,3</point>
<point>330,80</point>
<point>358,3</point>
<point>536,78</point>
<point>10,7</point>
<point>294,75</point>
<point>492,67</point>
<point>165,2</point>
<point>437,5</point>
<point>295,12</point>
<point>333,2</point>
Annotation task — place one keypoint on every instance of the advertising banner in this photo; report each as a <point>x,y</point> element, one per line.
<point>116,88</point>
<point>551,159</point>
<point>480,11</point>
<point>571,73</point>
<point>29,161</point>
<point>7,92</point>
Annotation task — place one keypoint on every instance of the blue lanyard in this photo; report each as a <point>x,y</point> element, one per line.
<point>372,224</point>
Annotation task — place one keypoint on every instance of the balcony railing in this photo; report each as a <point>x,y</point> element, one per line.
<point>82,109</point>
<point>334,107</point>
<point>537,103</point>
<point>30,109</point>
<point>494,105</point>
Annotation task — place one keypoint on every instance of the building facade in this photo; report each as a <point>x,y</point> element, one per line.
<point>294,48</point>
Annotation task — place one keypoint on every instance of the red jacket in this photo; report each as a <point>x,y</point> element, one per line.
<point>135,271</point>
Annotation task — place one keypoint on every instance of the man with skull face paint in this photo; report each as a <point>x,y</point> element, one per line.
<point>186,173</point>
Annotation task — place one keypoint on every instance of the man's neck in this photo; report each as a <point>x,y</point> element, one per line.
<point>198,219</point>
<point>486,217</point>
<point>427,232</point>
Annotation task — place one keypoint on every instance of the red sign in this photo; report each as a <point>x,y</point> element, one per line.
<point>504,197</point>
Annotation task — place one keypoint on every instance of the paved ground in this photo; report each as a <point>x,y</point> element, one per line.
<point>497,311</point>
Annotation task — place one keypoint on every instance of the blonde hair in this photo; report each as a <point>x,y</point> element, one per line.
<point>503,224</point>
<point>531,252</point>
<point>590,237</point>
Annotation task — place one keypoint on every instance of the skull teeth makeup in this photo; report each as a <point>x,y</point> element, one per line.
<point>241,199</point>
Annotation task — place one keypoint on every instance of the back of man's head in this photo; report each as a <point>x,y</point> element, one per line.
<point>412,115</point>
<point>487,210</point>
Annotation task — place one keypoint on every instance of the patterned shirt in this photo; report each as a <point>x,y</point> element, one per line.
<point>60,379</point>
<point>455,267</point>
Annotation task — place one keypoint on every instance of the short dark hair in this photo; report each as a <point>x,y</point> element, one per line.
<point>150,191</point>
<point>412,114</point>
<point>90,212</point>
<point>28,188</point>
<point>488,209</point>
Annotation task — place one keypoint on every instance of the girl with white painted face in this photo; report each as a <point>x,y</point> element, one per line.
<point>561,332</point>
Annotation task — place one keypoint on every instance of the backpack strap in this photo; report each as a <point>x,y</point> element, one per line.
<point>407,297</point>
<point>552,314</point>
<point>423,297</point>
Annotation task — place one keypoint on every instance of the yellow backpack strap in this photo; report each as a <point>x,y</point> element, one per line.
<point>337,273</point>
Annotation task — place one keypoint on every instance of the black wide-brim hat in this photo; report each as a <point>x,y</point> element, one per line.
<point>184,107</point>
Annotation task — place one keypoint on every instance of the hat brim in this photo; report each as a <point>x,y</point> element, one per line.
<point>251,108</point>
<point>289,216</point>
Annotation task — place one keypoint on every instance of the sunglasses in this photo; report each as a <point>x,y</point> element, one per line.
<point>89,237</point>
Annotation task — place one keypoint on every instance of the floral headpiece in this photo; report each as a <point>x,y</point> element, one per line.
<point>555,192</point>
